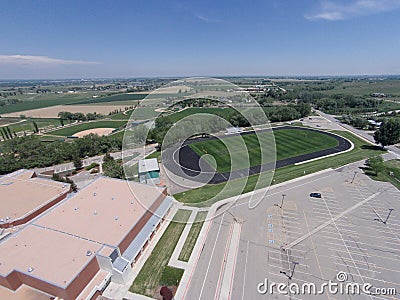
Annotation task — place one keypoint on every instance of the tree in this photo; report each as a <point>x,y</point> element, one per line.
<point>77,162</point>
<point>388,133</point>
<point>35,127</point>
<point>375,164</point>
<point>112,168</point>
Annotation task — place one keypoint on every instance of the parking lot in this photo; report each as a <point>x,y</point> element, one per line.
<point>349,235</point>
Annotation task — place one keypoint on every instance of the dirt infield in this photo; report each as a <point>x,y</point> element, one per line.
<point>187,163</point>
<point>98,131</point>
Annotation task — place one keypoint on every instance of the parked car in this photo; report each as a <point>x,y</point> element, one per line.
<point>316,195</point>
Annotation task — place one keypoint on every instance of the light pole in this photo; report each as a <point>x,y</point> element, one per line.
<point>355,173</point>
<point>234,218</point>
<point>292,271</point>
<point>283,198</point>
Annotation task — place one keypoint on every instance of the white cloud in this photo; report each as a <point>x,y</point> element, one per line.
<point>205,19</point>
<point>40,60</point>
<point>333,11</point>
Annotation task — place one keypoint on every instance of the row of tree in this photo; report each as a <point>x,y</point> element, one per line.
<point>66,115</point>
<point>29,152</point>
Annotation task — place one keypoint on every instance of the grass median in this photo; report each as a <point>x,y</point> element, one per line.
<point>191,239</point>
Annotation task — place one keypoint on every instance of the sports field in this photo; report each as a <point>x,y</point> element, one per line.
<point>289,143</point>
<point>69,131</point>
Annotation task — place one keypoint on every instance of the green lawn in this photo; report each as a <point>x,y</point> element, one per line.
<point>384,173</point>
<point>192,236</point>
<point>289,143</point>
<point>155,271</point>
<point>91,125</point>
<point>27,124</point>
<point>207,195</point>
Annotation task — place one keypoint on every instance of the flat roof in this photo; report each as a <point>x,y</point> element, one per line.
<point>104,211</point>
<point>53,256</point>
<point>24,292</point>
<point>22,194</point>
<point>147,165</point>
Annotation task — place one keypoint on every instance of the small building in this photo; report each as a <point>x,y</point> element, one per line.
<point>149,171</point>
<point>233,130</point>
<point>374,124</point>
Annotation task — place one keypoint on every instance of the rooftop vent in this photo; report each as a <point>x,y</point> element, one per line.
<point>7,218</point>
<point>30,269</point>
<point>1,220</point>
<point>95,212</point>
<point>113,198</point>
<point>94,194</point>
<point>63,186</point>
<point>132,202</point>
<point>76,208</point>
<point>88,253</point>
<point>116,218</point>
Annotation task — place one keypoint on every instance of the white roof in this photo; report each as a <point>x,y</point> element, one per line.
<point>147,165</point>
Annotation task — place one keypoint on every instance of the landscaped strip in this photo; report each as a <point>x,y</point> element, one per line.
<point>155,271</point>
<point>203,197</point>
<point>389,171</point>
<point>191,239</point>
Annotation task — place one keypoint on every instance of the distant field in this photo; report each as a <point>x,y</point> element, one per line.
<point>69,131</point>
<point>7,121</point>
<point>119,97</point>
<point>289,143</point>
<point>52,111</point>
<point>174,117</point>
<point>367,87</point>
<point>43,100</point>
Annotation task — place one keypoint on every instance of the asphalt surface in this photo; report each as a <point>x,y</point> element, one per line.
<point>356,239</point>
<point>186,163</point>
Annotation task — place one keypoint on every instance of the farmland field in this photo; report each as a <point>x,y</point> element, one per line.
<point>120,97</point>
<point>30,102</point>
<point>69,131</point>
<point>289,143</point>
<point>52,111</point>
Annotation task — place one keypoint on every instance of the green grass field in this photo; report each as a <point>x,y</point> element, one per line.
<point>191,239</point>
<point>85,126</point>
<point>289,143</point>
<point>155,270</point>
<point>384,174</point>
<point>204,196</point>
<point>44,100</point>
<point>128,98</point>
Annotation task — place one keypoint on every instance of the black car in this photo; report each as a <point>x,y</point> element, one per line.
<point>316,195</point>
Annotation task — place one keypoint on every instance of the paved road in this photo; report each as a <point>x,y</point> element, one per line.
<point>395,151</point>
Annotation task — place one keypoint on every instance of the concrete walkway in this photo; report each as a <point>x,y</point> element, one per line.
<point>174,261</point>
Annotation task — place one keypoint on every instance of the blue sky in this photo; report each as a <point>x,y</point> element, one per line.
<point>80,39</point>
